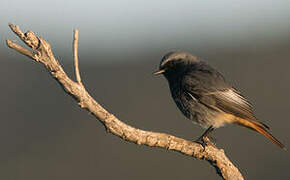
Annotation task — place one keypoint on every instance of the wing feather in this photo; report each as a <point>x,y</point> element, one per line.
<point>209,87</point>
<point>230,102</point>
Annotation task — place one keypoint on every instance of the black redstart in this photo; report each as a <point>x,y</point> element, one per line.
<point>203,96</point>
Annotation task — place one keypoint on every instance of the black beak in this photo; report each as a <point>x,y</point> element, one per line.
<point>159,72</point>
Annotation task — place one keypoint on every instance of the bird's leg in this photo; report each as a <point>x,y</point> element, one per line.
<point>203,139</point>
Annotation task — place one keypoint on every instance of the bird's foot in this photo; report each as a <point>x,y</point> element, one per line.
<point>205,141</point>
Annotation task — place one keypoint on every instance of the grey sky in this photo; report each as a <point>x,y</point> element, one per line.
<point>133,24</point>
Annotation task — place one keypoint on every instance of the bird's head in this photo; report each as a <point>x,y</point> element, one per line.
<point>175,63</point>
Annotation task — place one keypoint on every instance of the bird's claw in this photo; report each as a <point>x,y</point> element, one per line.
<point>204,141</point>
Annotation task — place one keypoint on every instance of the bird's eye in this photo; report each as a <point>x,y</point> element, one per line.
<point>170,64</point>
<point>175,63</point>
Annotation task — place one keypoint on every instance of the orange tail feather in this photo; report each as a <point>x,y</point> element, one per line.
<point>260,128</point>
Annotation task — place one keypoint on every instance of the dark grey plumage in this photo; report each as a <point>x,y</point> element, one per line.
<point>203,96</point>
<point>201,92</point>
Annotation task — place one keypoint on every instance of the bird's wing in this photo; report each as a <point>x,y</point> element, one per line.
<point>229,101</point>
<point>211,90</point>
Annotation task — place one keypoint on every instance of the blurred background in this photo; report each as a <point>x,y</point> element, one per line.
<point>45,135</point>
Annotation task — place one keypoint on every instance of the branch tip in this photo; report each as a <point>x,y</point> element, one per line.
<point>76,59</point>
<point>20,49</point>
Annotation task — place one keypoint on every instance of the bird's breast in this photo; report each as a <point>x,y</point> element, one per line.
<point>193,109</point>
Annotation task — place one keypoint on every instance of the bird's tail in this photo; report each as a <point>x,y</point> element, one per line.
<point>260,128</point>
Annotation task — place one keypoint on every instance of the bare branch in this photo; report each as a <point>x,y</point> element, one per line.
<point>213,155</point>
<point>76,58</point>
<point>19,48</point>
<point>28,38</point>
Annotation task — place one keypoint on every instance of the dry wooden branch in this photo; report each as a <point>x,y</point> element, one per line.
<point>76,58</point>
<point>41,52</point>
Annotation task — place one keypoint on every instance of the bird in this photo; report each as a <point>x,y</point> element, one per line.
<point>204,96</point>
